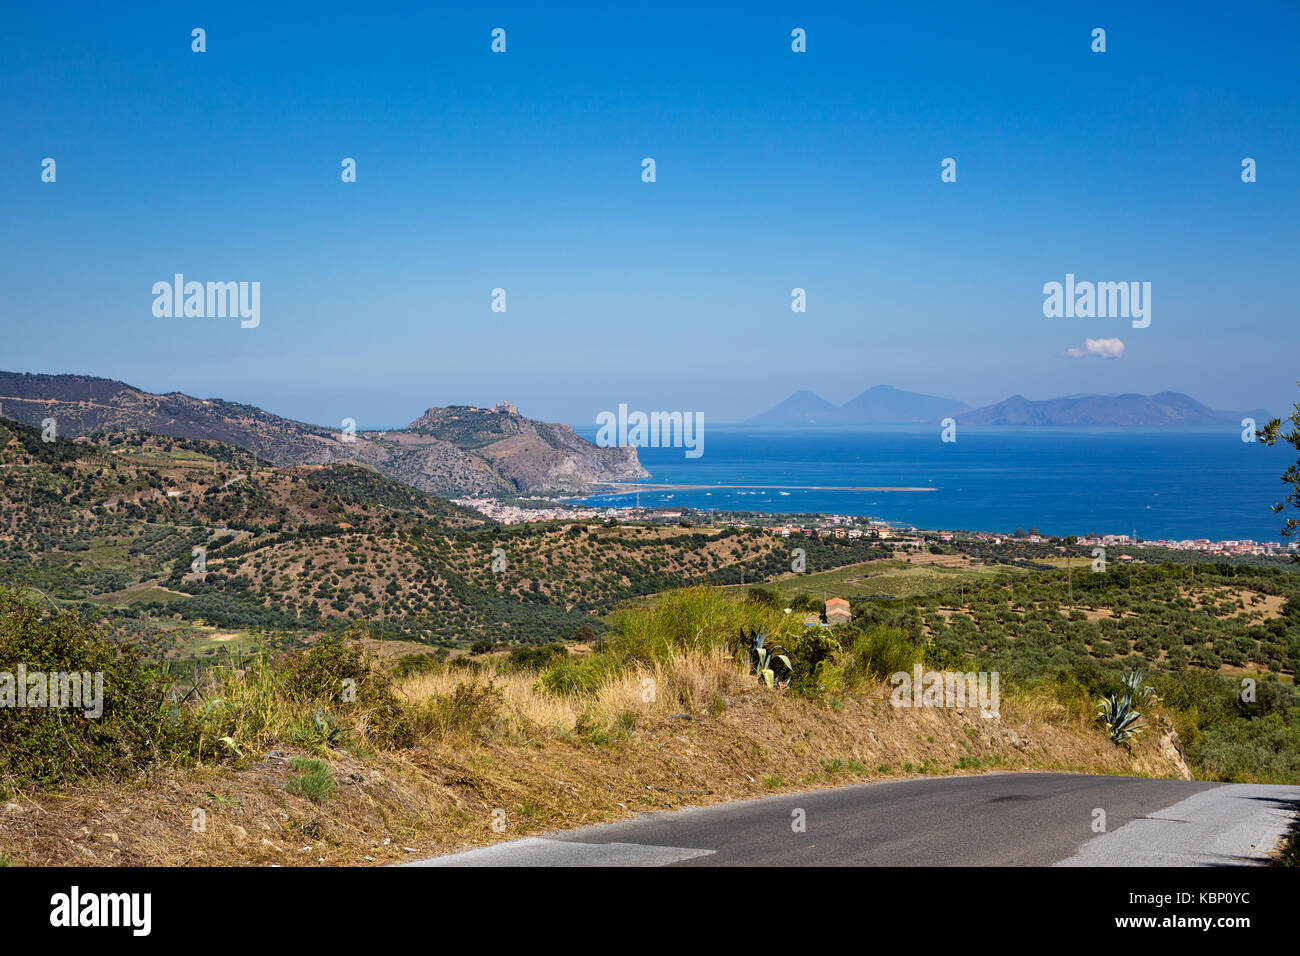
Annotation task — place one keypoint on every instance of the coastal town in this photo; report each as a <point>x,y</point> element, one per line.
<point>1235,548</point>
<point>852,527</point>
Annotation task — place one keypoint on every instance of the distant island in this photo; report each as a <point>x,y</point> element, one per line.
<point>1163,408</point>
<point>885,405</point>
<point>881,405</point>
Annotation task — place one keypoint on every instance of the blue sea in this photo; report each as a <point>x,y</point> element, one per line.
<point>1161,483</point>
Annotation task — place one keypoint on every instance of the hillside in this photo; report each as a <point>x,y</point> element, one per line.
<point>434,755</point>
<point>312,547</point>
<point>308,568</point>
<point>467,751</point>
<point>531,455</point>
<point>526,456</point>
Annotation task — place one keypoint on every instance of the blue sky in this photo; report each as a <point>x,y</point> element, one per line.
<point>774,170</point>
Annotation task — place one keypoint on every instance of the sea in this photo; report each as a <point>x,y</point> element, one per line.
<point>1156,483</point>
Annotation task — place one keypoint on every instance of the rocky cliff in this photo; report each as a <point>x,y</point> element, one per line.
<point>448,451</point>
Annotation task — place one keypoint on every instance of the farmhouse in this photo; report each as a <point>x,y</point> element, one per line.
<point>837,611</point>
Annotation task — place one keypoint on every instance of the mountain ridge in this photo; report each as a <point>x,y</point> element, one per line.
<point>883,404</point>
<point>1128,409</point>
<point>509,455</point>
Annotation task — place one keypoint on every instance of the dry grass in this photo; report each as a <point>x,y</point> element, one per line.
<point>522,700</point>
<point>692,681</point>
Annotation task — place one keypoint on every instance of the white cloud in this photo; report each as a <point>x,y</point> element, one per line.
<point>1097,348</point>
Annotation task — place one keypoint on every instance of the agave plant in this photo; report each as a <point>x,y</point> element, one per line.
<point>762,659</point>
<point>1135,681</point>
<point>1119,717</point>
<point>327,728</point>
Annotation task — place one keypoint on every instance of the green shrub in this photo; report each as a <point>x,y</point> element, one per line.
<point>568,675</point>
<point>410,664</point>
<point>813,652</point>
<point>878,653</point>
<point>1260,750</point>
<point>805,603</point>
<point>945,659</point>
<point>535,657</point>
<point>320,671</point>
<point>51,746</point>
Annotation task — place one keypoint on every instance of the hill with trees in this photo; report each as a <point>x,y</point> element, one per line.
<point>444,451</point>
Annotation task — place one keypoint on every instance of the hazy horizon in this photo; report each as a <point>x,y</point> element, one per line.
<point>591,424</point>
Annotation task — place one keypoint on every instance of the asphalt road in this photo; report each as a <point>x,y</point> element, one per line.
<point>1012,819</point>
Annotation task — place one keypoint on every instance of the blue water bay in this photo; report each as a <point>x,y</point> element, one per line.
<point>1161,483</point>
